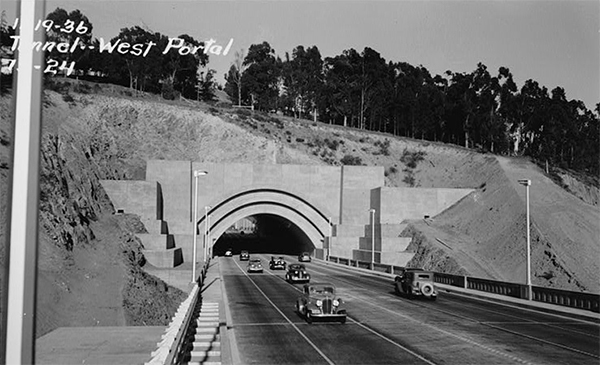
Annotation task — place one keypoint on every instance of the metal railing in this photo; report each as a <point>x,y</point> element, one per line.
<point>171,342</point>
<point>585,301</point>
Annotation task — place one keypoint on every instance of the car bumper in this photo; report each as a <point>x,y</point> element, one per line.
<point>326,315</point>
<point>255,270</point>
<point>274,267</point>
<point>299,280</point>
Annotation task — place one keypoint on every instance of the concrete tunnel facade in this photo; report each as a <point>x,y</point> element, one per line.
<point>329,204</point>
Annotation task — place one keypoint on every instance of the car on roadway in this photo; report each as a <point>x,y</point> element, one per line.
<point>254,265</point>
<point>244,255</point>
<point>414,282</point>
<point>277,263</point>
<point>320,301</point>
<point>304,257</point>
<point>297,273</point>
<point>229,252</point>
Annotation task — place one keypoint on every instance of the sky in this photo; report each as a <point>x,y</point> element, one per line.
<point>554,42</point>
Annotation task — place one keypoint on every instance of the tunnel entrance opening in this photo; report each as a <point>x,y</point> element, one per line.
<point>271,234</point>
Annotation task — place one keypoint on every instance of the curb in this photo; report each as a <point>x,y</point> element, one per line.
<point>490,297</point>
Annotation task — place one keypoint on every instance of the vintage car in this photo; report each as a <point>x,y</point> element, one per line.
<point>414,282</point>
<point>277,263</point>
<point>229,252</point>
<point>244,255</point>
<point>297,273</point>
<point>319,301</point>
<point>254,265</point>
<point>304,257</point>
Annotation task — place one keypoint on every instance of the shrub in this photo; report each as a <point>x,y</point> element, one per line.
<point>411,159</point>
<point>333,145</point>
<point>243,112</point>
<point>383,147</point>
<point>82,88</point>
<point>68,98</point>
<point>351,160</point>
<point>213,110</point>
<point>300,140</point>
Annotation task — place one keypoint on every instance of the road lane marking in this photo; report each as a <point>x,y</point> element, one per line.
<point>487,348</point>
<point>286,318</point>
<point>549,324</point>
<point>380,335</point>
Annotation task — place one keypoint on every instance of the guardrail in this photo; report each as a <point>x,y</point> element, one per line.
<point>169,347</point>
<point>585,301</point>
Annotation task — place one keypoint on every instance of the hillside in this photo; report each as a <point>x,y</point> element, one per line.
<point>96,132</point>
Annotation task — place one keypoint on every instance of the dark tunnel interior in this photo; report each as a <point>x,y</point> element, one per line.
<point>272,235</point>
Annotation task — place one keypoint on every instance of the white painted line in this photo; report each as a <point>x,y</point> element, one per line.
<point>286,318</point>
<point>386,338</point>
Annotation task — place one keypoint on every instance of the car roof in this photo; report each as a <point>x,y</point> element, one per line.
<point>255,260</point>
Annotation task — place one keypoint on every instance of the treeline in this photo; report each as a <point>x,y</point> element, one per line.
<point>479,109</point>
<point>143,68</point>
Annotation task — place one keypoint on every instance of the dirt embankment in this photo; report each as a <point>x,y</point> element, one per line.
<point>485,233</point>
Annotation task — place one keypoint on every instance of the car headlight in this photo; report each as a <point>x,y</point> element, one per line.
<point>319,303</point>
<point>336,302</point>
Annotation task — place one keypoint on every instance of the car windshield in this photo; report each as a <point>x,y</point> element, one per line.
<point>255,261</point>
<point>322,289</point>
<point>296,267</point>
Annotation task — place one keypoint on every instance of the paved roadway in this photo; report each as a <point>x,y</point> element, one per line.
<point>384,328</point>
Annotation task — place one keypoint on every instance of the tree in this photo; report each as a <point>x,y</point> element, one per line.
<point>69,28</point>
<point>302,76</point>
<point>206,85</point>
<point>181,71</point>
<point>262,76</point>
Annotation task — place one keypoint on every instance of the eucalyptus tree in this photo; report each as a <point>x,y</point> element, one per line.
<point>262,76</point>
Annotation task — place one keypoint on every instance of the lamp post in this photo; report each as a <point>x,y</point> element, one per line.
<point>197,173</point>
<point>372,211</point>
<point>527,184</point>
<point>205,246</point>
<point>329,239</point>
<point>208,240</point>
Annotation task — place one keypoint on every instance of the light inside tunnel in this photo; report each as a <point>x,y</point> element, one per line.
<point>271,234</point>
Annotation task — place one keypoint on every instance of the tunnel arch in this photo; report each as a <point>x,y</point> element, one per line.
<point>311,218</point>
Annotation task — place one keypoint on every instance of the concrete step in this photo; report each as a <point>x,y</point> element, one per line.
<point>348,230</point>
<point>207,330</point>
<point>207,337</point>
<point>165,258</point>
<point>153,241</point>
<point>157,227</point>
<point>197,345</point>
<point>385,230</point>
<point>388,244</point>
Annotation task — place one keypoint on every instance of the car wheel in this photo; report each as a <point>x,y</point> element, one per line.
<point>343,320</point>
<point>309,319</point>
<point>427,289</point>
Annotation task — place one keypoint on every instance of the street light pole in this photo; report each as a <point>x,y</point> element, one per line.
<point>329,239</point>
<point>527,183</point>
<point>209,245</point>
<point>372,211</point>
<point>205,247</point>
<point>197,173</point>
